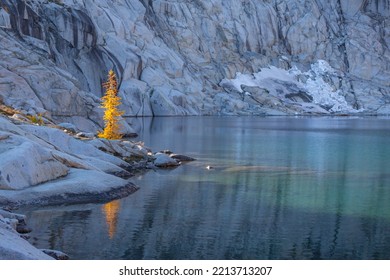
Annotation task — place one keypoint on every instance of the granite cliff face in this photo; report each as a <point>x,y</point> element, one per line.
<point>172,55</point>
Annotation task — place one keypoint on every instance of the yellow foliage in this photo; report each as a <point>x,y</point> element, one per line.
<point>36,119</point>
<point>110,103</point>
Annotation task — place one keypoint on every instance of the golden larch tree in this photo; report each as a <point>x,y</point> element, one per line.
<point>110,102</point>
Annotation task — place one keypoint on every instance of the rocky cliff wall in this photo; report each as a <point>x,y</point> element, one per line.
<point>172,55</point>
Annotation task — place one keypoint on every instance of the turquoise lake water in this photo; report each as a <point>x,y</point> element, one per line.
<point>280,188</point>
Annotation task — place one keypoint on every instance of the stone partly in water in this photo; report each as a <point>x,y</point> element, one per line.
<point>54,57</point>
<point>58,255</point>
<point>164,161</point>
<point>12,245</point>
<point>181,158</point>
<point>22,228</point>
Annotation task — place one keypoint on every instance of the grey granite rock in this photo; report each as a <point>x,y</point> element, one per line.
<point>170,56</point>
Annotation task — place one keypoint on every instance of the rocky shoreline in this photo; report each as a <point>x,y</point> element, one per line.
<point>13,245</point>
<point>44,164</point>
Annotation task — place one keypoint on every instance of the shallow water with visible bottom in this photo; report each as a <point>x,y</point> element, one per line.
<point>280,188</point>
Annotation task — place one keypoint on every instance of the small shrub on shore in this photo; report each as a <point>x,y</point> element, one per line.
<point>36,119</point>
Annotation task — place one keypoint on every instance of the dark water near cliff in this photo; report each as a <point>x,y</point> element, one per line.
<point>281,188</point>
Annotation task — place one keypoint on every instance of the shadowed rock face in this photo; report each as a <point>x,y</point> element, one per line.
<point>170,56</point>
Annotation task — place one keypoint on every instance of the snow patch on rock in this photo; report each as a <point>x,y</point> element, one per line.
<point>318,82</point>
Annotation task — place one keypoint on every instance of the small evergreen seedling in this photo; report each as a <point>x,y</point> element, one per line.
<point>110,103</point>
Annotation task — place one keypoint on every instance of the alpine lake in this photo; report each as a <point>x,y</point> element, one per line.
<point>276,188</point>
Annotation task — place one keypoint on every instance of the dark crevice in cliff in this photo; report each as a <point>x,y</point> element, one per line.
<point>284,43</point>
<point>344,51</point>
<point>343,35</point>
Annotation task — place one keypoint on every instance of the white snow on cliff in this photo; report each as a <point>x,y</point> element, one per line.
<point>317,82</point>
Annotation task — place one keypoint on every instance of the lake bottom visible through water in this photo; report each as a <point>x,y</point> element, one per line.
<point>279,188</point>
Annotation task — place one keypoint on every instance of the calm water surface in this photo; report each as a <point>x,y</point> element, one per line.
<point>281,188</point>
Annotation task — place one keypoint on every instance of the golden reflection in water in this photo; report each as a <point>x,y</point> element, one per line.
<point>111,211</point>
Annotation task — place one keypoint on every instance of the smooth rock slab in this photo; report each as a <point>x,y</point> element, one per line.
<point>26,164</point>
<point>80,186</point>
